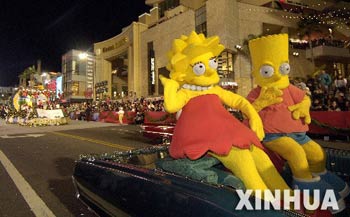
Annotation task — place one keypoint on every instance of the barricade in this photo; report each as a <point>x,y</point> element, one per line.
<point>113,117</point>
<point>330,123</point>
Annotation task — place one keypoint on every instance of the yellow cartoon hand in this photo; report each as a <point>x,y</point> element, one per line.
<point>256,125</point>
<point>268,96</point>
<point>169,83</point>
<point>302,110</point>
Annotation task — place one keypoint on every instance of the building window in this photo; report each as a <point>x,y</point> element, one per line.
<point>201,20</point>
<point>166,5</point>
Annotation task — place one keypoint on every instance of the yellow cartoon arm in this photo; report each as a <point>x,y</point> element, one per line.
<point>267,97</point>
<point>302,110</point>
<point>173,99</point>
<point>239,102</point>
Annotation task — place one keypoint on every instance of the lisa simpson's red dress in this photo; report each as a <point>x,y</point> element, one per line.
<point>205,125</point>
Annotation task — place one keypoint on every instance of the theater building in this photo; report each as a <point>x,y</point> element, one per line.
<point>118,62</point>
<point>130,63</point>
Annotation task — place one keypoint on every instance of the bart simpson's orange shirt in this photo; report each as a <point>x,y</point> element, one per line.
<point>277,118</point>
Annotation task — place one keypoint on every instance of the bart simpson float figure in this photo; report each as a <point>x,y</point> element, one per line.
<point>204,125</point>
<point>284,110</point>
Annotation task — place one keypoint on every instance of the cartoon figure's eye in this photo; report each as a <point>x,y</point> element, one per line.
<point>266,71</point>
<point>198,68</point>
<point>213,63</point>
<point>284,68</point>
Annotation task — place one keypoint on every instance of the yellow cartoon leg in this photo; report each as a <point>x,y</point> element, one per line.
<point>315,156</point>
<point>293,152</point>
<point>241,163</point>
<point>267,170</point>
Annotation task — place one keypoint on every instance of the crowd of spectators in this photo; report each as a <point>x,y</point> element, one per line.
<point>320,42</point>
<point>86,110</point>
<point>83,111</point>
<point>327,93</point>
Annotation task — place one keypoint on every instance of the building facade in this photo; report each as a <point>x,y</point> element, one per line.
<point>78,72</point>
<point>132,61</point>
<point>118,63</point>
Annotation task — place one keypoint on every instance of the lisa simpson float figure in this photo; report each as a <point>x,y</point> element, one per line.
<point>204,125</point>
<point>284,110</point>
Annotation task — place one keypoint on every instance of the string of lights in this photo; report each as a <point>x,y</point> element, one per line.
<point>336,17</point>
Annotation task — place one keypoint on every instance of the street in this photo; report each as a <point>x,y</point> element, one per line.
<point>37,164</point>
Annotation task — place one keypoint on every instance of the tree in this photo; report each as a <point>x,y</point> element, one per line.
<point>28,73</point>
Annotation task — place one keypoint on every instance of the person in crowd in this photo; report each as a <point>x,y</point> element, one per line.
<point>88,112</point>
<point>318,106</point>
<point>340,83</point>
<point>340,97</point>
<point>319,94</point>
<point>301,85</point>
<point>310,83</point>
<point>347,105</point>
<point>325,80</point>
<point>3,111</point>
<point>121,114</point>
<point>334,106</point>
<point>139,118</point>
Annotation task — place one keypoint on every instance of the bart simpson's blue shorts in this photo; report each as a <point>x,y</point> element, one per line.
<point>300,138</point>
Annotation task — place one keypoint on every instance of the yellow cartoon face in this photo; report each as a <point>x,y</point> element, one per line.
<point>193,60</point>
<point>201,70</point>
<point>270,61</point>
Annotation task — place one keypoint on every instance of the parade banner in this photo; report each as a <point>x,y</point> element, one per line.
<point>51,114</point>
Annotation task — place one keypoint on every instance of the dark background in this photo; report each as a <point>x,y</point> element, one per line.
<point>46,29</point>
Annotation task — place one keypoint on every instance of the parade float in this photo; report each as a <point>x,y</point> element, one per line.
<point>33,107</point>
<point>187,181</point>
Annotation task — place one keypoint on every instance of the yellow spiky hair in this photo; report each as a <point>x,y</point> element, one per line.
<point>188,47</point>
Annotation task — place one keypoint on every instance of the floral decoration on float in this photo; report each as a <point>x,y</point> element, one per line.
<point>26,109</point>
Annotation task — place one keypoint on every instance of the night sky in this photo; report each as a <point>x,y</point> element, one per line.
<point>46,29</point>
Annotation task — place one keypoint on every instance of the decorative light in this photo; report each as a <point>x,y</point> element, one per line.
<point>238,47</point>
<point>83,56</point>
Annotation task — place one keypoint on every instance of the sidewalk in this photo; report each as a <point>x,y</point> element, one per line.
<point>10,129</point>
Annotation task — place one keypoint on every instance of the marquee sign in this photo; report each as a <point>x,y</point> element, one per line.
<point>116,45</point>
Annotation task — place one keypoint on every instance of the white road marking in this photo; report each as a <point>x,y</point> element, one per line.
<point>36,204</point>
<point>22,136</point>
